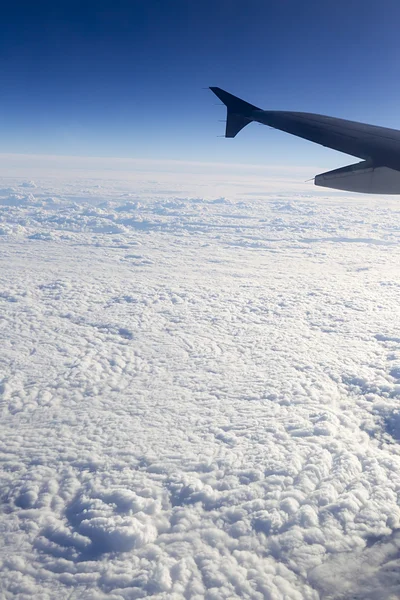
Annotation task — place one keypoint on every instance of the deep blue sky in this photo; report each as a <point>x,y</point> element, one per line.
<point>125,78</point>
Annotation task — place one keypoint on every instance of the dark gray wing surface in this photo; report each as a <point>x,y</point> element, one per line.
<point>379,146</point>
<point>357,139</point>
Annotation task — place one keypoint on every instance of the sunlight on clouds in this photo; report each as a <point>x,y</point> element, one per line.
<point>199,395</point>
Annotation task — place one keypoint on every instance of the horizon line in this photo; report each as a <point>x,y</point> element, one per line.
<point>56,158</point>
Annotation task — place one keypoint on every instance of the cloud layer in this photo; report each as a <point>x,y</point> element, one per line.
<point>200,399</point>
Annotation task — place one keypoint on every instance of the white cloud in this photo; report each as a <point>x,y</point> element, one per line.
<point>151,178</point>
<point>199,397</point>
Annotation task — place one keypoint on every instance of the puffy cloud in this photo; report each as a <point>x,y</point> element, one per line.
<point>199,398</point>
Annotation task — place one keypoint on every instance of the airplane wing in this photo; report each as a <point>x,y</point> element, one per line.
<point>378,146</point>
<point>363,178</point>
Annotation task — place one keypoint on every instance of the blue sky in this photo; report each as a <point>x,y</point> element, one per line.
<point>126,78</point>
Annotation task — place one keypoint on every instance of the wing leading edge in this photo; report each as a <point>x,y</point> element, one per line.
<point>378,146</point>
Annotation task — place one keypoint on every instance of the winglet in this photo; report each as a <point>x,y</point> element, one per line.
<point>239,112</point>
